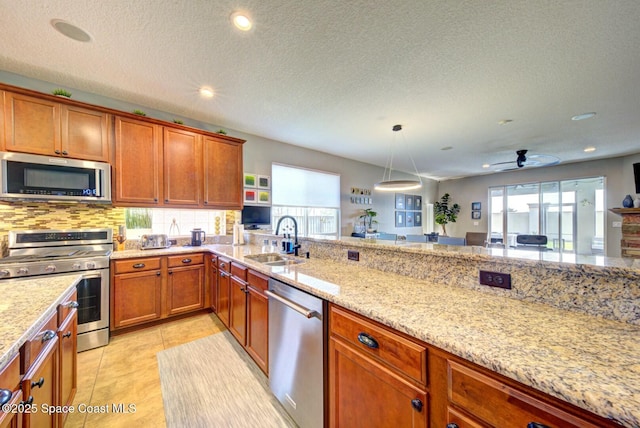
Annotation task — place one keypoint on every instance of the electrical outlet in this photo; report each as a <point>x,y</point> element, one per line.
<point>353,255</point>
<point>616,224</point>
<point>495,279</point>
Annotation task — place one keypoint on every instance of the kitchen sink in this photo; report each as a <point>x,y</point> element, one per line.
<point>273,259</point>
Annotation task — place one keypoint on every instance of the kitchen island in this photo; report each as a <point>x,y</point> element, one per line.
<point>26,304</point>
<point>581,358</point>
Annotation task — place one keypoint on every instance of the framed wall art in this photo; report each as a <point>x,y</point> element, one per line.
<point>476,206</point>
<point>264,197</point>
<point>475,215</point>
<point>250,196</point>
<point>400,201</point>
<point>250,180</point>
<point>264,182</point>
<point>400,219</point>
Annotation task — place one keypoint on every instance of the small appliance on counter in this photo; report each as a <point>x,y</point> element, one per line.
<point>154,242</point>
<point>197,237</point>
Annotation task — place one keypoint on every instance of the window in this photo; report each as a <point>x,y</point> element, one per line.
<point>311,197</point>
<point>570,213</point>
<point>173,222</point>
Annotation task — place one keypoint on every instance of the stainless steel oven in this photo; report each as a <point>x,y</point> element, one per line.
<point>60,252</point>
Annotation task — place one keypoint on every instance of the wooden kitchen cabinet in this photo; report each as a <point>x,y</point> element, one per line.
<point>161,165</point>
<point>224,289</point>
<point>238,309</point>
<point>136,292</point>
<point>185,283</point>
<point>137,169</point>
<point>45,127</point>
<point>257,342</point>
<point>477,395</point>
<point>212,277</point>
<point>68,349</point>
<point>182,167</point>
<point>10,381</point>
<point>41,368</point>
<point>223,173</point>
<point>377,378</point>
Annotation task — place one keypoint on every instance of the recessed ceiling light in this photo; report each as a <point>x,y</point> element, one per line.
<point>70,30</point>
<point>447,148</point>
<point>505,121</point>
<point>589,149</point>
<point>583,116</point>
<point>241,21</point>
<point>206,92</point>
<point>486,165</point>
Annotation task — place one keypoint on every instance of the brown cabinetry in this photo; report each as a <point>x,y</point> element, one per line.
<point>212,278</point>
<point>45,127</point>
<point>168,166</point>
<point>153,288</point>
<point>222,173</point>
<point>136,291</point>
<point>10,384</point>
<point>41,361</point>
<point>369,360</point>
<point>68,348</point>
<point>257,341</point>
<point>244,308</point>
<point>474,396</point>
<point>185,283</point>
<point>137,169</point>
<point>224,289</point>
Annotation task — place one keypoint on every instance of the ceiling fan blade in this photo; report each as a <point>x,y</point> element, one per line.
<point>502,163</point>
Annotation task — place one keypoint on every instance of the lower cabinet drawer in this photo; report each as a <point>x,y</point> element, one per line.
<point>32,347</point>
<point>136,265</point>
<point>500,405</point>
<point>380,342</point>
<point>185,260</point>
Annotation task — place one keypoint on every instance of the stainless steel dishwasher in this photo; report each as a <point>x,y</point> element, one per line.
<point>297,353</point>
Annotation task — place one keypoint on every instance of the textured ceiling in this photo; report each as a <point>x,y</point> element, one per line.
<point>336,76</point>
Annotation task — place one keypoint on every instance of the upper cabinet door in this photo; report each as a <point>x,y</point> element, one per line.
<point>222,174</point>
<point>137,172</point>
<point>85,134</point>
<point>31,125</point>
<point>182,167</point>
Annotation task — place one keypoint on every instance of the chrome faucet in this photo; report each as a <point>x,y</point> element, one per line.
<point>296,246</point>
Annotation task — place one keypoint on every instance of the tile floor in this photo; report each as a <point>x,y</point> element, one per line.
<point>126,371</point>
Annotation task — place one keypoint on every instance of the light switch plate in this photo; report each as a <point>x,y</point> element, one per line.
<point>616,224</point>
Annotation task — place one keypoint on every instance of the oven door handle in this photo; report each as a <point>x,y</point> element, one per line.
<point>91,275</point>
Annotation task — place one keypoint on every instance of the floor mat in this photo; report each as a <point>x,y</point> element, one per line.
<point>212,382</point>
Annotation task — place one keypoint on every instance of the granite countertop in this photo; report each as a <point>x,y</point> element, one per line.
<point>26,305</point>
<point>588,361</point>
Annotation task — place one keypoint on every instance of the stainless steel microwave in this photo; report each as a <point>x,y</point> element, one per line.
<point>44,178</point>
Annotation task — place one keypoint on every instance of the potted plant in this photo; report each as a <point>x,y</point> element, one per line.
<point>61,93</point>
<point>444,213</point>
<point>139,112</point>
<point>179,122</point>
<point>368,216</point>
<point>221,131</point>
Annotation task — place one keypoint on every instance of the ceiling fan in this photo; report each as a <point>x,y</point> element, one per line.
<point>526,161</point>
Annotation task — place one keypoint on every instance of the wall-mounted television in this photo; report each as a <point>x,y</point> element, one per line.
<point>254,216</point>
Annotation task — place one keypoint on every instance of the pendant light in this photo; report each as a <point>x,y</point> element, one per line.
<point>389,185</point>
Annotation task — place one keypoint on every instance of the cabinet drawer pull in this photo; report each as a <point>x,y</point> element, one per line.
<point>28,400</point>
<point>5,396</point>
<point>158,273</point>
<point>368,340</point>
<point>138,265</point>
<point>56,151</point>
<point>39,383</point>
<point>416,403</point>
<point>67,335</point>
<point>48,335</point>
<point>170,272</point>
<point>186,260</point>
<point>223,273</point>
<point>64,152</point>
<point>452,425</point>
<point>73,304</point>
<point>536,425</point>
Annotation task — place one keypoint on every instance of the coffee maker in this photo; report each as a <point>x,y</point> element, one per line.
<point>197,237</point>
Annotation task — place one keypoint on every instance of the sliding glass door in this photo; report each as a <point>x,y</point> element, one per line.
<point>569,213</point>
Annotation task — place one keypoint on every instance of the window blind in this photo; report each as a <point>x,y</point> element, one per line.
<point>301,187</point>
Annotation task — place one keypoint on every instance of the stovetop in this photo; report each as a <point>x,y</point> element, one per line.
<point>46,252</point>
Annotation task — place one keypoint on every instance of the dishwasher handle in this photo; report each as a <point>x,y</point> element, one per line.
<point>293,305</point>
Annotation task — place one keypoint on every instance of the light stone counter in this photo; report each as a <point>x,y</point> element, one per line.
<point>25,306</point>
<point>591,362</point>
